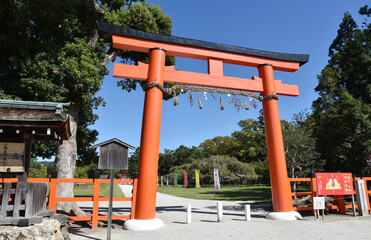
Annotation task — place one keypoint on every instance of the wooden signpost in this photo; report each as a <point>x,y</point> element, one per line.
<point>113,155</point>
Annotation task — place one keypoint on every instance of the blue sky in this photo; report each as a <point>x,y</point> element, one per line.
<point>305,27</point>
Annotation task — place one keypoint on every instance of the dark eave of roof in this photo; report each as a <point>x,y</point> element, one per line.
<point>114,140</point>
<point>35,117</point>
<point>106,30</point>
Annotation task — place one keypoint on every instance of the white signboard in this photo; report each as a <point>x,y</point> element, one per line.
<point>319,203</point>
<point>216,179</point>
<point>361,197</point>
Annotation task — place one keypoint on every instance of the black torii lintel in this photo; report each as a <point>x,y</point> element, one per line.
<point>106,30</point>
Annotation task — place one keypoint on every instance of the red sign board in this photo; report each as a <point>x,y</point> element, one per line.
<point>186,180</point>
<point>334,183</point>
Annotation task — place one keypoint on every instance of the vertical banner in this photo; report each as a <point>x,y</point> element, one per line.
<point>175,179</point>
<point>167,179</point>
<point>197,174</point>
<point>162,181</point>
<point>185,180</point>
<point>216,179</point>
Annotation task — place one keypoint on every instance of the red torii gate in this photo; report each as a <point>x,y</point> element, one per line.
<point>216,54</point>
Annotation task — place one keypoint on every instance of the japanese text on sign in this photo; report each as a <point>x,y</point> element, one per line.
<point>334,183</point>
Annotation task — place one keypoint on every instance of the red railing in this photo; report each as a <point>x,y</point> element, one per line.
<point>52,199</point>
<point>338,204</point>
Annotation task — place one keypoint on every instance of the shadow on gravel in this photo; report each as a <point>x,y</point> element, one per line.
<point>171,209</point>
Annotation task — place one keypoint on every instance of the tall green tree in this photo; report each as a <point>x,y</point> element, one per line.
<point>51,51</point>
<point>342,111</point>
<point>177,157</point>
<point>221,146</point>
<point>251,139</point>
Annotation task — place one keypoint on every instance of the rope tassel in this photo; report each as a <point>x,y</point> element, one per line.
<point>175,99</point>
<point>245,104</point>
<point>221,103</point>
<point>199,101</point>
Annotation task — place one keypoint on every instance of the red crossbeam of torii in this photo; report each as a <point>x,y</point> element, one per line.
<point>158,46</point>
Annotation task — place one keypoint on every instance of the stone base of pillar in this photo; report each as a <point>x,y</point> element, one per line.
<point>284,216</point>
<point>143,225</point>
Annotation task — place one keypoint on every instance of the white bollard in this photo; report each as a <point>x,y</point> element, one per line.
<point>247,213</point>
<point>219,206</point>
<point>189,212</point>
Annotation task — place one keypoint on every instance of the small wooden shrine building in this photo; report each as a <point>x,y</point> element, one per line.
<point>22,123</point>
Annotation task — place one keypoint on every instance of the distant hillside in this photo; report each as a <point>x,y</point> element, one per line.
<point>46,163</point>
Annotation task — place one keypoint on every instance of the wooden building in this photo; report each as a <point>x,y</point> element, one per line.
<point>23,122</point>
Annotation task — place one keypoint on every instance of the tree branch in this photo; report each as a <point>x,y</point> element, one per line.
<point>95,9</point>
<point>110,56</point>
<point>93,39</point>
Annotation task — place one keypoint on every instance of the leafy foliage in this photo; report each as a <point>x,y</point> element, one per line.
<point>342,123</point>
<point>300,149</point>
<point>50,52</point>
<point>38,170</point>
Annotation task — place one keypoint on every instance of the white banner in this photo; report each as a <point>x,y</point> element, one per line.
<point>216,179</point>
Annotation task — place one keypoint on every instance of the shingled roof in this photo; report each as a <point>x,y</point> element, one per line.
<point>44,120</point>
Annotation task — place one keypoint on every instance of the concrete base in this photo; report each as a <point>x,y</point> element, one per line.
<point>143,225</point>
<point>284,216</point>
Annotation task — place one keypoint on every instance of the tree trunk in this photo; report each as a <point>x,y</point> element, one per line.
<point>65,163</point>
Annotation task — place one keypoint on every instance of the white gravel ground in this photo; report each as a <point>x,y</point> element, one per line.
<point>172,211</point>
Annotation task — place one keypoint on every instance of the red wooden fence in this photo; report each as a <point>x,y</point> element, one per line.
<point>338,203</point>
<point>95,217</point>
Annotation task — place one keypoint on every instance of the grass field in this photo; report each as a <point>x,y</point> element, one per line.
<point>82,191</point>
<point>246,193</point>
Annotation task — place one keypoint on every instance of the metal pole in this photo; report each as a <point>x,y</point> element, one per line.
<point>110,206</point>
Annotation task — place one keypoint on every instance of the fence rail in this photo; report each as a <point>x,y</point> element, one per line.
<point>52,198</point>
<point>338,203</point>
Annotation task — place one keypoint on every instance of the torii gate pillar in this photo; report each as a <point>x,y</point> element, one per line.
<point>145,205</point>
<point>281,193</point>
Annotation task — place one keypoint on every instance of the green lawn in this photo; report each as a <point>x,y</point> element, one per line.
<point>82,191</point>
<point>248,193</point>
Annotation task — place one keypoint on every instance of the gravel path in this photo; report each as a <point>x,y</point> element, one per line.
<point>172,210</point>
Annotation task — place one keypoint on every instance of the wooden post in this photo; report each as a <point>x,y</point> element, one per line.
<point>53,192</point>
<point>94,224</point>
<point>313,189</point>
<point>150,140</point>
<point>219,211</point>
<point>134,197</point>
<point>281,193</point>
<point>247,213</point>
<point>189,214</point>
<point>110,205</point>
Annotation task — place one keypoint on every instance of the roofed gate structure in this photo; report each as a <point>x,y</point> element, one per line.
<point>155,74</point>
<point>22,123</point>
